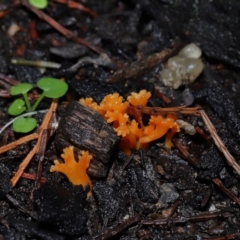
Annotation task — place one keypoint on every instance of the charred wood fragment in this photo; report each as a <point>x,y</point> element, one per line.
<point>85,129</point>
<point>143,66</point>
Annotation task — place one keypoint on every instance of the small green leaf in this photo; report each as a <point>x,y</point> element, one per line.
<point>24,125</point>
<point>21,88</point>
<point>17,107</point>
<point>41,4</point>
<point>52,87</point>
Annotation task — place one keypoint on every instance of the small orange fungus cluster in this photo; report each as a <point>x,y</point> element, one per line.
<point>114,110</point>
<point>75,171</point>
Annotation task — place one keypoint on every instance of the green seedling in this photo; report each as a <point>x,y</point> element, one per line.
<point>24,125</point>
<point>52,88</point>
<point>17,107</point>
<point>41,4</point>
<point>23,89</point>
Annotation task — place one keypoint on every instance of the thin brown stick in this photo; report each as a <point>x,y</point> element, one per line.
<point>4,93</point>
<point>172,110</point>
<point>160,95</point>
<point>67,33</point>
<point>219,143</point>
<point>5,9</point>
<point>33,177</point>
<point>202,133</point>
<point>132,110</point>
<point>181,219</point>
<point>76,5</point>
<point>31,154</point>
<point>18,142</point>
<point>41,154</point>
<point>219,183</point>
<point>187,155</point>
<point>26,161</point>
<point>8,79</point>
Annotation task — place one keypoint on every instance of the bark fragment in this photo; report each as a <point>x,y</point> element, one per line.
<point>86,129</point>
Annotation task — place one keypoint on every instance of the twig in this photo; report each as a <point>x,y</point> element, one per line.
<point>173,110</point>
<point>76,5</point>
<point>18,142</point>
<point>181,219</point>
<point>4,93</point>
<point>110,173</point>
<point>33,31</point>
<point>67,33</point>
<point>32,177</point>
<point>132,110</point>
<point>26,161</point>
<point>41,154</point>
<point>202,133</point>
<point>35,150</point>
<point>4,13</point>
<point>161,95</point>
<point>219,183</point>
<point>8,79</point>
<point>219,143</point>
<point>115,230</point>
<point>186,154</point>
<point>4,9</point>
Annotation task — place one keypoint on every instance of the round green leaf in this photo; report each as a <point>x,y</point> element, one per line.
<point>24,125</point>
<point>52,87</point>
<point>41,4</point>
<point>21,88</point>
<point>17,107</point>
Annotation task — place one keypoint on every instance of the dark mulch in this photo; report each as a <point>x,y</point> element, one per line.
<point>188,192</point>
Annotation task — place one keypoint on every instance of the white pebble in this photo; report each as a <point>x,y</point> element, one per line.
<point>190,51</point>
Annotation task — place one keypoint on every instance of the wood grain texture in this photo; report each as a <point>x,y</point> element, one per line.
<point>86,129</point>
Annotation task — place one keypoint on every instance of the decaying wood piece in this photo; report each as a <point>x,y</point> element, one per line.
<point>86,129</point>
<point>142,66</point>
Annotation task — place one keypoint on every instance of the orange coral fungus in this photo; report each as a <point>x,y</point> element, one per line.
<point>140,98</point>
<point>75,171</point>
<point>158,127</point>
<point>114,110</point>
<point>90,103</point>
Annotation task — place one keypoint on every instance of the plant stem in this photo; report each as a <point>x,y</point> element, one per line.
<point>37,102</point>
<point>41,64</point>
<point>29,109</point>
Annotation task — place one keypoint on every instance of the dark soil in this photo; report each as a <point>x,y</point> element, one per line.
<point>188,192</point>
